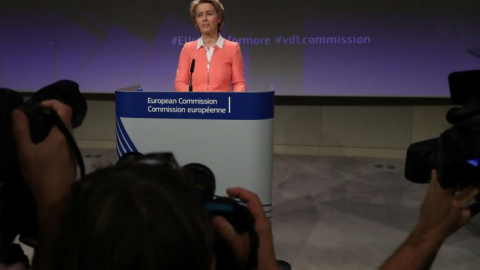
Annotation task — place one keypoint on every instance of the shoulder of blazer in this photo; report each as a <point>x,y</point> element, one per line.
<point>191,46</point>
<point>230,44</point>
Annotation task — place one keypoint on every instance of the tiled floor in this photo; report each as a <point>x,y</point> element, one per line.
<point>345,212</point>
<point>352,213</point>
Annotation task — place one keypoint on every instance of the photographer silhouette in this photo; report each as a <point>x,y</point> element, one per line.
<point>128,216</point>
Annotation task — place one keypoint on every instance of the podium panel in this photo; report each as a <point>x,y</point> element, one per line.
<point>231,133</point>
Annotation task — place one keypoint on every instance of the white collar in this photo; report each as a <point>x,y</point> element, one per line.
<point>219,43</point>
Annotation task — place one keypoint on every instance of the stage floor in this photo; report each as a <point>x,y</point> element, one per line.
<point>345,212</point>
<point>352,213</point>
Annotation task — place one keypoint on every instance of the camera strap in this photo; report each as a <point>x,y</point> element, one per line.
<point>68,136</point>
<point>252,262</point>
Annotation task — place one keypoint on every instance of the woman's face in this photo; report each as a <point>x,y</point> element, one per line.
<point>207,19</point>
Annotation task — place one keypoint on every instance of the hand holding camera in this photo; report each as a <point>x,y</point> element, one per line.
<point>36,144</point>
<point>49,167</point>
<point>444,211</point>
<point>239,243</point>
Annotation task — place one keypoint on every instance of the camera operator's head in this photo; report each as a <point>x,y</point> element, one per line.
<point>137,215</point>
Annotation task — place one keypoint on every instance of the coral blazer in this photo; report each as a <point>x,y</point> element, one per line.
<point>226,69</point>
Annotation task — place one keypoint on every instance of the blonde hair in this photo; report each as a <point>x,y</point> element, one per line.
<point>218,9</point>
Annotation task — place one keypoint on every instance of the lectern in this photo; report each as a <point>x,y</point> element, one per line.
<point>231,133</point>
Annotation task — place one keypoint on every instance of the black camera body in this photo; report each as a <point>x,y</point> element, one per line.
<point>455,154</point>
<point>40,119</point>
<point>18,214</point>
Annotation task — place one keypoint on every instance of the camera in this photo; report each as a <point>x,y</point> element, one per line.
<point>17,214</point>
<point>455,154</point>
<point>200,180</point>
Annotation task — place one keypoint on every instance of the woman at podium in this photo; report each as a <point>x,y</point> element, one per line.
<point>211,63</point>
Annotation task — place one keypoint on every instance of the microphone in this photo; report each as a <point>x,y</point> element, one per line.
<point>192,68</point>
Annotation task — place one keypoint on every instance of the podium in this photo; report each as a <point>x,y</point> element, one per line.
<point>231,133</point>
